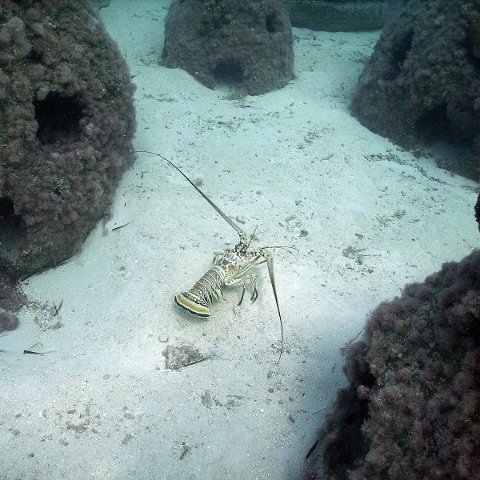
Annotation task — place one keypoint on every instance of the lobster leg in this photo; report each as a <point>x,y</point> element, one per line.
<point>253,282</point>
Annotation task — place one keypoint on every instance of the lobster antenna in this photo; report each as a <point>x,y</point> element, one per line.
<point>272,281</point>
<point>241,233</point>
<point>287,248</point>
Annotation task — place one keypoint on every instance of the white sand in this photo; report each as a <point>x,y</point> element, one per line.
<point>102,405</point>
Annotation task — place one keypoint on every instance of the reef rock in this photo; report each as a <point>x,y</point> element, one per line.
<point>422,83</point>
<point>66,124</point>
<point>341,15</point>
<point>412,409</point>
<point>245,44</point>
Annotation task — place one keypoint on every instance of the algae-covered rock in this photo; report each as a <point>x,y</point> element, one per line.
<point>66,124</point>
<point>245,44</point>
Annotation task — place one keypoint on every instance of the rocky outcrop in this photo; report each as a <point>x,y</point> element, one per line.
<point>412,409</point>
<point>66,124</point>
<point>341,15</point>
<point>247,45</point>
<point>422,83</point>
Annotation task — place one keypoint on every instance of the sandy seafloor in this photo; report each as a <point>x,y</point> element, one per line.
<point>365,216</point>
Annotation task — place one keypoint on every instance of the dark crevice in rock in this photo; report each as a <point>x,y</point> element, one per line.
<point>12,231</point>
<point>228,73</point>
<point>58,118</point>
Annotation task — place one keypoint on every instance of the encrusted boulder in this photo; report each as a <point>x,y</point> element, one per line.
<point>341,15</point>
<point>412,409</point>
<point>246,44</point>
<point>422,83</point>
<point>66,124</point>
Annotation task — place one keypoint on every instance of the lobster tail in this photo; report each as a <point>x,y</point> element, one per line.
<point>208,288</point>
<point>192,304</point>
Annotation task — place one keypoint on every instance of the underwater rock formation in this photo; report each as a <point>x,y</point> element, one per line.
<point>412,409</point>
<point>8,321</point>
<point>66,124</point>
<point>245,44</point>
<point>477,211</point>
<point>422,83</point>
<point>11,297</point>
<point>340,15</point>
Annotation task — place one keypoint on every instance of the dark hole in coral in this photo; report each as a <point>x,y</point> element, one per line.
<point>272,24</point>
<point>447,123</point>
<point>58,118</point>
<point>228,72</point>
<point>399,53</point>
<point>463,125</point>
<point>347,444</point>
<point>472,43</point>
<point>449,133</point>
<point>12,231</point>
<point>433,125</point>
<point>35,57</point>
